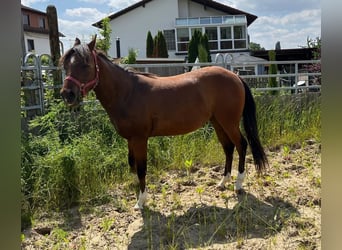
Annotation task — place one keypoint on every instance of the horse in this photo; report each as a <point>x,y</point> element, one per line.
<point>142,105</point>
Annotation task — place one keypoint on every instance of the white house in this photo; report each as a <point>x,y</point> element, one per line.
<point>225,26</point>
<point>36,31</point>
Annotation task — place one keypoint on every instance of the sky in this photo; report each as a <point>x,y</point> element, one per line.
<point>289,22</point>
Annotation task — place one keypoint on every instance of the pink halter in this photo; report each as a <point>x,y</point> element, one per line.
<point>86,87</point>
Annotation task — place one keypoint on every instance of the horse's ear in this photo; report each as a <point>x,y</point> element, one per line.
<point>91,45</point>
<point>77,42</point>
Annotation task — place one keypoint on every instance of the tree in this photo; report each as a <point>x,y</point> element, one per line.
<point>159,47</point>
<point>204,41</point>
<point>149,45</point>
<point>104,43</point>
<point>255,46</point>
<point>202,54</point>
<point>315,67</point>
<point>277,46</point>
<point>193,46</point>
<point>272,82</point>
<point>198,47</point>
<point>316,44</point>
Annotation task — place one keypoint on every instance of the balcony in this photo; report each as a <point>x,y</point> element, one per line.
<point>211,20</point>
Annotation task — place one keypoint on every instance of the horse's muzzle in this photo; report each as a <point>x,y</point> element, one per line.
<point>70,98</point>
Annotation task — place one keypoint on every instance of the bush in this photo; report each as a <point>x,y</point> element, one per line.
<point>131,58</point>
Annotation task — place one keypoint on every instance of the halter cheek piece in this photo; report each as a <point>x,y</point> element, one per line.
<point>87,86</point>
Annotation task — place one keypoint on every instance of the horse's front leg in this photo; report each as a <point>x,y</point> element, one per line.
<point>138,157</point>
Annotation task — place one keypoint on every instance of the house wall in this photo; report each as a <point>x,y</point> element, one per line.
<point>41,42</point>
<point>41,37</point>
<point>34,19</point>
<point>133,26</point>
<point>198,10</point>
<point>188,8</point>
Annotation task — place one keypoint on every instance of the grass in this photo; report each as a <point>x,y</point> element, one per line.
<point>75,158</point>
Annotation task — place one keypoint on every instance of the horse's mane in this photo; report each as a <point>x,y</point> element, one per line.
<point>136,72</point>
<point>83,51</point>
<point>128,69</point>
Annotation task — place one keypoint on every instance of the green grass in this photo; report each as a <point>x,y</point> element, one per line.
<point>73,158</point>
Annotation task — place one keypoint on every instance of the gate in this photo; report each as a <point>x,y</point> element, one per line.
<point>40,83</point>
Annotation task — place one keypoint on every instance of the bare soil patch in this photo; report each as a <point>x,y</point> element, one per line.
<point>280,210</point>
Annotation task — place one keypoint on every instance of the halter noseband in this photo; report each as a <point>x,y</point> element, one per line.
<point>87,86</point>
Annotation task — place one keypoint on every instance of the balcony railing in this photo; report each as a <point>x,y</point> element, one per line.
<point>211,20</point>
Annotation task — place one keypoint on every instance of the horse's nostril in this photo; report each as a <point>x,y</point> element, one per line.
<point>68,96</point>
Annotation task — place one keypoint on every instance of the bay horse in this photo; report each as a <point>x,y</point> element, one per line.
<point>142,105</point>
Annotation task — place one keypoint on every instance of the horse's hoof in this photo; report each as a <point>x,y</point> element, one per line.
<point>221,187</point>
<point>141,201</point>
<point>138,207</point>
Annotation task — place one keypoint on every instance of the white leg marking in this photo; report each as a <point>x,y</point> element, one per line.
<point>239,180</point>
<point>141,200</point>
<point>224,180</point>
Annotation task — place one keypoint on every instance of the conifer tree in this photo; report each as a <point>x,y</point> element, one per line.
<point>193,46</point>
<point>160,48</point>
<point>149,45</point>
<point>162,45</point>
<point>272,82</point>
<point>205,44</point>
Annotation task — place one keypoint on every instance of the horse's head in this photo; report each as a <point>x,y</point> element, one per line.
<point>82,72</point>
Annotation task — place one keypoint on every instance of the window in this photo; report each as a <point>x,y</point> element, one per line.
<point>26,19</point>
<point>170,39</point>
<point>240,41</point>
<point>30,45</point>
<point>226,37</point>
<point>240,44</point>
<point>212,37</point>
<point>41,22</point>
<point>182,39</point>
<point>239,32</point>
<point>224,32</point>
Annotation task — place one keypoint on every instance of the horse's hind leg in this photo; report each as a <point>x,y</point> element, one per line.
<point>232,130</point>
<point>228,148</point>
<point>241,146</point>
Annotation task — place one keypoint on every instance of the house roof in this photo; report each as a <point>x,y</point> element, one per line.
<point>243,58</point>
<point>287,54</point>
<point>23,7</point>
<point>207,3</point>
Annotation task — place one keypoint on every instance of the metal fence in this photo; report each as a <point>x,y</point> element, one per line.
<point>38,81</point>
<point>39,84</point>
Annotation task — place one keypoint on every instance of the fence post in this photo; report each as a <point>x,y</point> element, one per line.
<point>296,77</point>
<point>54,46</point>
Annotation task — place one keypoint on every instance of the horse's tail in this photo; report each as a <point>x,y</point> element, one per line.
<point>251,129</point>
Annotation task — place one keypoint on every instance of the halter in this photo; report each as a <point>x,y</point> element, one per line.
<point>87,86</point>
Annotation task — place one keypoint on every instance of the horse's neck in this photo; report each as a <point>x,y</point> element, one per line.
<point>114,85</point>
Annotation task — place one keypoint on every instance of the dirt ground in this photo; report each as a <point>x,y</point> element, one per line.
<point>185,210</point>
